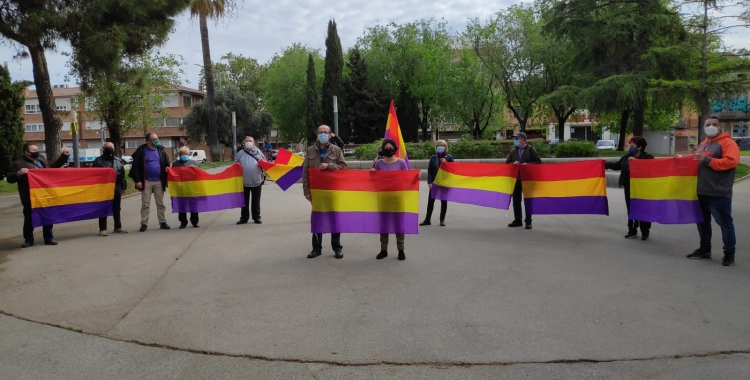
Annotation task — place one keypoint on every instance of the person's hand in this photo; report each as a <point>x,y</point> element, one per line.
<point>419,175</point>
<point>139,185</point>
<point>23,171</point>
<point>525,163</point>
<point>699,156</point>
<point>516,162</point>
<point>429,185</point>
<point>678,156</point>
<point>66,152</point>
<point>323,166</point>
<point>123,192</point>
<point>309,197</point>
<point>442,160</point>
<point>331,135</point>
<point>631,158</point>
<point>372,170</point>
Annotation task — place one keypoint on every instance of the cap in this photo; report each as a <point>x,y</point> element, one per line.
<point>521,135</point>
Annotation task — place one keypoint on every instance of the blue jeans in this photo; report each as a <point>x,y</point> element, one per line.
<point>317,242</point>
<point>721,209</point>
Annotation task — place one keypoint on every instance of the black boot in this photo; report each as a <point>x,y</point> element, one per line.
<point>401,255</point>
<point>516,223</point>
<point>631,234</point>
<point>381,255</point>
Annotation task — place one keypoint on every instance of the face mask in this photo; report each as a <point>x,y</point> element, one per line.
<point>633,150</point>
<point>388,152</point>
<point>108,151</point>
<point>517,142</point>
<point>35,155</point>
<point>323,138</point>
<point>184,158</point>
<point>155,142</point>
<point>440,149</point>
<point>711,131</point>
<point>249,145</point>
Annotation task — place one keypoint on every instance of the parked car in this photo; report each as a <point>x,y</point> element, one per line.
<point>348,152</point>
<point>606,145</point>
<point>128,160</point>
<point>198,155</point>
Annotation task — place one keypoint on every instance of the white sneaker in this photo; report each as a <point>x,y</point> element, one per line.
<point>103,233</point>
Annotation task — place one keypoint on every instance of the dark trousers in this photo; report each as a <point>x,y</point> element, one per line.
<point>28,230</point>
<point>431,206</point>
<point>634,224</point>
<point>253,209</point>
<point>115,211</point>
<point>721,209</point>
<point>182,217</point>
<point>517,200</point>
<point>317,242</point>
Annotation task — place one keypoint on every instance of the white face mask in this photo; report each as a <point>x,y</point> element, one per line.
<point>711,131</point>
<point>249,145</point>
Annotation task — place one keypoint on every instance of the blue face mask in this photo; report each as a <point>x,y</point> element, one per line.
<point>633,150</point>
<point>323,138</point>
<point>440,149</point>
<point>184,157</point>
<point>517,142</point>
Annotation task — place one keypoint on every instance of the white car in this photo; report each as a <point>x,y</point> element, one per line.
<point>606,145</point>
<point>128,160</point>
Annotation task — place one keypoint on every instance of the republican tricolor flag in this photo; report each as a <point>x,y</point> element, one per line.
<point>393,131</point>
<point>665,191</point>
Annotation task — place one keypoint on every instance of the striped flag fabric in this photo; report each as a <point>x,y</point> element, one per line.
<point>566,188</point>
<point>488,185</point>
<point>193,190</point>
<point>285,170</point>
<point>393,131</point>
<point>359,201</point>
<point>71,194</point>
<point>665,191</point>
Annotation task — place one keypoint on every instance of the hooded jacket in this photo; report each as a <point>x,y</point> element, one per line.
<point>716,171</point>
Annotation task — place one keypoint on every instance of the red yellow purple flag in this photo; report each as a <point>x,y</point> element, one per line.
<point>665,191</point>
<point>285,170</point>
<point>393,131</point>
<point>69,195</point>
<point>567,188</point>
<point>488,185</point>
<point>193,190</point>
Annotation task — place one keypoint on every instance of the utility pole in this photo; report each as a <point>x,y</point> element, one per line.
<point>335,115</point>
<point>234,134</point>
<point>74,132</point>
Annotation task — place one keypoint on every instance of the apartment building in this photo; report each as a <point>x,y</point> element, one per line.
<point>93,132</point>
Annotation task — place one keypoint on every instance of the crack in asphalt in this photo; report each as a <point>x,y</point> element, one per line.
<point>426,363</point>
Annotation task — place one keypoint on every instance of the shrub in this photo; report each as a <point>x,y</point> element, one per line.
<point>542,148</point>
<point>575,149</point>
<point>464,148</point>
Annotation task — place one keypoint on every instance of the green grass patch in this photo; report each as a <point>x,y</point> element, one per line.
<point>742,170</point>
<point>8,188</point>
<point>209,164</point>
<point>745,152</point>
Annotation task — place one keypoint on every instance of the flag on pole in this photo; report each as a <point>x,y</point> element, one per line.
<point>393,131</point>
<point>285,170</point>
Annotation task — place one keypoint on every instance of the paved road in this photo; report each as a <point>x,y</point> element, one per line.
<point>473,299</point>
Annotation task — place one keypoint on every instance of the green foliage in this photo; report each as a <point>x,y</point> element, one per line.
<point>464,148</point>
<point>367,109</point>
<point>242,72</point>
<point>11,123</point>
<point>312,114</point>
<point>334,66</point>
<point>575,149</point>
<point>542,148</point>
<point>285,90</point>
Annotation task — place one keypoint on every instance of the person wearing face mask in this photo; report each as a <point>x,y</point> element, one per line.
<point>322,155</point>
<point>441,155</point>
<point>718,157</point>
<point>390,162</point>
<point>31,160</point>
<point>183,160</point>
<point>252,177</point>
<point>636,151</point>
<point>521,154</point>
<point>108,160</point>
<point>149,172</point>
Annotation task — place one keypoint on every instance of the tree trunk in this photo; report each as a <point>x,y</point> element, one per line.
<point>623,129</point>
<point>115,138</point>
<point>638,117</point>
<point>703,96</point>
<point>52,122</point>
<point>213,137</point>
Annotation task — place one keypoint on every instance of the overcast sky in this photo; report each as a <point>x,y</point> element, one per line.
<point>261,29</point>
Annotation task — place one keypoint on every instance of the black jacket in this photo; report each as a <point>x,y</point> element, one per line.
<point>624,167</point>
<point>138,169</point>
<point>530,156</point>
<point>432,169</point>
<point>23,180</point>
<point>336,140</point>
<point>119,167</point>
<point>180,163</point>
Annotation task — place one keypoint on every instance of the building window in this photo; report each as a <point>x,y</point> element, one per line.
<point>62,107</point>
<point>95,125</point>
<point>34,127</point>
<point>66,126</point>
<point>94,144</point>
<point>40,146</point>
<point>131,144</point>
<point>187,101</point>
<point>167,143</point>
<point>32,108</point>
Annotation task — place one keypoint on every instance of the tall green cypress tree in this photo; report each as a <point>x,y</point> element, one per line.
<point>312,116</point>
<point>334,65</point>
<point>11,123</point>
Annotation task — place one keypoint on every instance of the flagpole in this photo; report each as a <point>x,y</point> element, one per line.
<point>335,115</point>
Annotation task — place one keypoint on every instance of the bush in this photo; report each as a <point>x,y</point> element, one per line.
<point>464,148</point>
<point>542,148</point>
<point>575,149</point>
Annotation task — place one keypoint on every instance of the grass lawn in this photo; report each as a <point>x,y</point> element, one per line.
<point>7,188</point>
<point>742,171</point>
<point>745,152</point>
<point>209,164</point>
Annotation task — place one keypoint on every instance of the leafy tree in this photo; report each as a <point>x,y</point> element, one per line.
<point>285,90</point>
<point>203,10</point>
<point>129,98</point>
<point>11,123</point>
<point>334,66</point>
<point>312,113</point>
<point>250,122</point>
<point>100,32</point>
<point>367,109</point>
<point>242,72</point>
